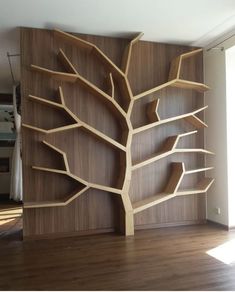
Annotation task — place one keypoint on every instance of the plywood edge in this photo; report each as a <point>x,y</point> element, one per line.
<point>187,84</point>
<point>55,203</point>
<point>66,62</point>
<point>202,187</point>
<point>128,51</point>
<point>169,148</point>
<point>172,119</point>
<point>150,202</point>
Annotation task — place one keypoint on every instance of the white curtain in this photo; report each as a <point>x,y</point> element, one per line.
<point>16,168</point>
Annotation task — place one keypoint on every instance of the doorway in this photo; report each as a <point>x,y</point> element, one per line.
<point>10,210</point>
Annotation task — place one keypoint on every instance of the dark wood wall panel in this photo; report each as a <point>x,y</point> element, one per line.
<point>92,160</point>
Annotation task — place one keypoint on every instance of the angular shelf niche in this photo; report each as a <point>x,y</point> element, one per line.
<point>172,188</point>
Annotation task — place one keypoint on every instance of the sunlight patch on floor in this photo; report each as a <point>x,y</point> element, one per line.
<point>224,252</point>
<point>3,222</point>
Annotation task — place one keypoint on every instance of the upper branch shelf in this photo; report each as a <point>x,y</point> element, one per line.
<point>127,54</point>
<point>71,77</point>
<point>189,117</point>
<point>174,78</point>
<point>176,63</point>
<point>180,83</point>
<point>77,122</point>
<point>91,47</point>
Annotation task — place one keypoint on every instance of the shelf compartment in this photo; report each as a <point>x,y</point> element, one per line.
<point>202,187</point>
<point>56,203</point>
<point>172,188</point>
<point>169,192</point>
<point>78,124</point>
<point>189,117</point>
<point>169,148</point>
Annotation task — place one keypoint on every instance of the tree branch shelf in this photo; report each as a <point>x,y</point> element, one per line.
<point>72,75</point>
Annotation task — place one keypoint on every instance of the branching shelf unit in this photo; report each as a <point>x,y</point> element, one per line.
<point>124,116</point>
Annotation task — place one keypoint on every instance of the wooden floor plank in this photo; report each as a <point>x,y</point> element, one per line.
<point>157,259</point>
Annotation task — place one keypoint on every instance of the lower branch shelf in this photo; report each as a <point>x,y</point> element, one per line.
<point>56,203</point>
<point>172,188</point>
<point>202,187</point>
<point>151,201</point>
<point>157,199</point>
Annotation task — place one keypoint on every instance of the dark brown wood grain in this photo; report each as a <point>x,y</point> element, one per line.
<point>91,159</point>
<point>161,259</point>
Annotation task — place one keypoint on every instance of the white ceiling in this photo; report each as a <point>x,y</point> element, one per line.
<point>191,22</point>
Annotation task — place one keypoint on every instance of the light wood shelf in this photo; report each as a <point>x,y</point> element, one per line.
<point>173,184</point>
<point>189,117</point>
<point>56,203</point>
<point>66,63</point>
<point>65,159</point>
<point>172,188</point>
<point>152,111</point>
<point>202,187</point>
<point>176,63</point>
<point>46,102</point>
<point>169,148</point>
<point>151,201</point>
<point>174,79</point>
<point>186,84</point>
<point>66,172</point>
<point>92,48</point>
<point>127,54</point>
<point>111,85</point>
<point>153,114</point>
<point>113,105</point>
<point>51,131</point>
<point>124,116</point>
<point>180,83</point>
<point>78,124</point>
<point>198,170</point>
<point>61,76</point>
<point>78,179</point>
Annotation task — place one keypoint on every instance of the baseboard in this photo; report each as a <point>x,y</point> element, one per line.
<point>170,224</point>
<point>67,234</point>
<point>219,224</point>
<point>109,230</point>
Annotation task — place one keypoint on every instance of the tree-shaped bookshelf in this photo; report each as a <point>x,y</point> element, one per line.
<point>123,114</point>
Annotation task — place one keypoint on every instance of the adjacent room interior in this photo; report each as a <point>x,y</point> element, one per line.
<point>116,145</point>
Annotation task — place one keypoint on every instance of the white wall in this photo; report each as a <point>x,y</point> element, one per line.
<point>9,42</point>
<point>230,93</point>
<point>216,134</point>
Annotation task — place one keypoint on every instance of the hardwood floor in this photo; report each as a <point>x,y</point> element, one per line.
<point>160,259</point>
<point>10,220</point>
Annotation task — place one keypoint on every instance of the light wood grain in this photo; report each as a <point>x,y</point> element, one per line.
<point>189,117</point>
<point>93,48</point>
<point>127,54</point>
<point>66,62</point>
<point>179,83</point>
<point>176,63</point>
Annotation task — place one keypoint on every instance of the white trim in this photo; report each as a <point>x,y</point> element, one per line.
<point>220,32</point>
